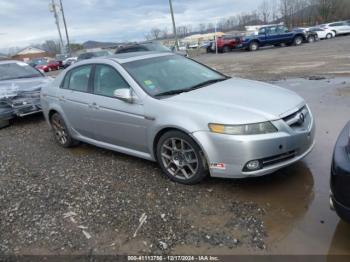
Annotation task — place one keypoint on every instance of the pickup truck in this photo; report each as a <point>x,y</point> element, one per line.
<point>274,35</point>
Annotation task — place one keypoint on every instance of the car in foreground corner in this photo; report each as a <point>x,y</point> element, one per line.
<point>340,175</point>
<point>20,86</point>
<point>186,116</point>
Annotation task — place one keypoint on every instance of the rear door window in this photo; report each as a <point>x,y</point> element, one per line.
<point>79,78</point>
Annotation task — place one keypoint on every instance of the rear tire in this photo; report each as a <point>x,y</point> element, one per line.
<point>61,133</point>
<point>311,39</point>
<point>254,46</point>
<point>180,158</point>
<point>329,36</point>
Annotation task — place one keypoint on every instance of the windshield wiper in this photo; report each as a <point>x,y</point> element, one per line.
<point>30,76</point>
<point>206,83</point>
<point>172,92</point>
<point>203,84</point>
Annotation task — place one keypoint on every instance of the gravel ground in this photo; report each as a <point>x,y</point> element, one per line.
<point>89,200</point>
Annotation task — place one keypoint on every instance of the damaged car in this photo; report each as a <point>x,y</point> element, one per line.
<point>20,86</point>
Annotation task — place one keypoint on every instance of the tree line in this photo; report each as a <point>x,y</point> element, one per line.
<point>292,13</point>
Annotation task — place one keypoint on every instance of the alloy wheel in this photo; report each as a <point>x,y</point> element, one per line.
<point>179,158</point>
<point>59,130</point>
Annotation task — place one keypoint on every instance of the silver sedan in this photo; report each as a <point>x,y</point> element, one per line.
<point>191,119</point>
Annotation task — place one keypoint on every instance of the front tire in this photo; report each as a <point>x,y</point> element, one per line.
<point>61,133</point>
<point>254,46</point>
<point>329,36</point>
<point>180,158</point>
<point>298,40</point>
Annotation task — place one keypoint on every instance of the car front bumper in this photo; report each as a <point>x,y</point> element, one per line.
<point>227,155</point>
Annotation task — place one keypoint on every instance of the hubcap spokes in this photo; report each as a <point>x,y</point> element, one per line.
<point>179,158</point>
<point>60,131</point>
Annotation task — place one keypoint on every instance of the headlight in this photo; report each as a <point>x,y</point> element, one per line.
<point>250,129</point>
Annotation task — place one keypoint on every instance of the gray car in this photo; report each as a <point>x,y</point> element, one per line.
<point>189,118</point>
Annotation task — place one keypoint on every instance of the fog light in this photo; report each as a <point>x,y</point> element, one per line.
<point>253,165</point>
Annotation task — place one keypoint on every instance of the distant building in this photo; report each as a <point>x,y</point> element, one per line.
<point>30,53</point>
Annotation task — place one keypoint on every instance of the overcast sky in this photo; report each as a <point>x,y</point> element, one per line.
<point>23,22</point>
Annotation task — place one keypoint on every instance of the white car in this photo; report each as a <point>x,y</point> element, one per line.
<point>323,33</point>
<point>339,28</point>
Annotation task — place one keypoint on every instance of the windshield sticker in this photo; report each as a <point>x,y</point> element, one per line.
<point>149,84</point>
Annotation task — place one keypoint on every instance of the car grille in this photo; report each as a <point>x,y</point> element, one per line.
<point>299,120</point>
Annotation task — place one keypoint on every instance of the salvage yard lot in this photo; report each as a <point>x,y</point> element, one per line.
<point>88,200</point>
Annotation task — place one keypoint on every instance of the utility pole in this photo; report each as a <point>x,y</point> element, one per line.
<point>174,25</point>
<point>54,10</point>
<point>65,28</point>
<point>216,37</point>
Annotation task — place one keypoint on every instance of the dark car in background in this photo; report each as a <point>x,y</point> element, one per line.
<point>340,176</point>
<point>147,46</point>
<point>226,43</point>
<point>36,61</point>
<point>275,35</point>
<point>60,58</point>
<point>311,35</point>
<point>89,55</point>
<point>20,86</point>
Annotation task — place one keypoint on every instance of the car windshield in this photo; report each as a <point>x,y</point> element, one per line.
<point>17,70</point>
<point>170,75</point>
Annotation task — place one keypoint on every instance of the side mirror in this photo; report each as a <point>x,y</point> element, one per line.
<point>124,94</point>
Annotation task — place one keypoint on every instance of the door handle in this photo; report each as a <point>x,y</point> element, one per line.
<point>61,98</point>
<point>94,105</point>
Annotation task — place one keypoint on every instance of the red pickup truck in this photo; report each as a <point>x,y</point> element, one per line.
<point>226,43</point>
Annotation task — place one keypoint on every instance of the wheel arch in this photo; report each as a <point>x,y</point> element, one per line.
<point>166,129</point>
<point>304,37</point>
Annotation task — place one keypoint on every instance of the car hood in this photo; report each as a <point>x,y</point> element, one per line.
<point>239,101</point>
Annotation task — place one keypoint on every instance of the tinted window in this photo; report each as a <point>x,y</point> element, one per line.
<point>107,80</point>
<point>272,30</point>
<point>65,83</point>
<point>79,78</point>
<point>262,31</point>
<point>336,24</point>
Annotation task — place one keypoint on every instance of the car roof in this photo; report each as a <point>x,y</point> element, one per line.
<point>10,62</point>
<point>129,57</point>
